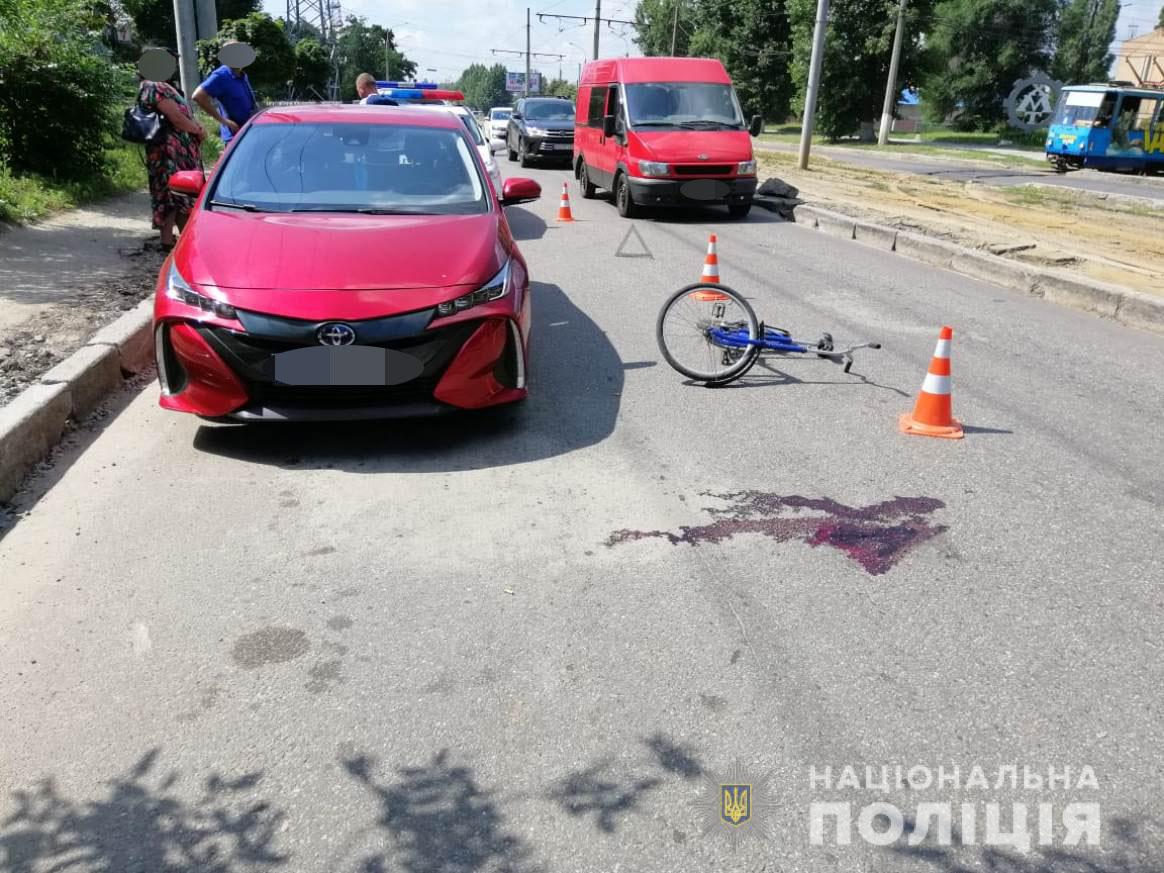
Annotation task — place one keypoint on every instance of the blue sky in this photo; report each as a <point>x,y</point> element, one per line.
<point>448,35</point>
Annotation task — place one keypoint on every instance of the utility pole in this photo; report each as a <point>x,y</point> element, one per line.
<point>185,30</point>
<point>207,19</point>
<point>597,22</point>
<point>891,86</point>
<point>674,28</point>
<point>387,60</point>
<point>526,93</point>
<point>818,38</point>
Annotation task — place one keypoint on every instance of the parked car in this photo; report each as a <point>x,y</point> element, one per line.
<point>664,132</point>
<point>344,262</point>
<point>479,138</point>
<point>540,128</point>
<point>498,122</point>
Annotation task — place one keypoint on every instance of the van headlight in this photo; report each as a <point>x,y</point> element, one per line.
<point>746,168</point>
<point>653,168</point>
<point>177,288</point>
<point>494,289</point>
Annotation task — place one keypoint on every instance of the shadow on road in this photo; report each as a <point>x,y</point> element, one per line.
<point>440,820</point>
<point>576,380</point>
<point>141,825</point>
<point>525,224</point>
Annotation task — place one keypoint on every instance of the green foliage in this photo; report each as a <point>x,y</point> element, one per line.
<point>753,40</point>
<point>59,91</point>
<point>31,197</point>
<point>977,50</point>
<point>1160,19</point>
<point>153,20</point>
<point>274,65</point>
<point>1087,28</point>
<point>311,67</point>
<point>483,87</point>
<point>654,26</point>
<point>858,45</point>
<point>559,88</point>
<point>362,50</point>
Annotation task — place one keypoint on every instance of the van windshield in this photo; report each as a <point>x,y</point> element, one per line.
<point>693,105</point>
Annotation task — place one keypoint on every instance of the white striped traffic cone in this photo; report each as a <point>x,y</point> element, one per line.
<point>932,413</point>
<point>564,213</point>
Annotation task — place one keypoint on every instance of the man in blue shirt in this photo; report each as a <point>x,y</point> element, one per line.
<point>226,95</point>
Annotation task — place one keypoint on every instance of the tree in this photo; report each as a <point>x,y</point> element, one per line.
<point>274,66</point>
<point>977,50</point>
<point>483,86</point>
<point>858,45</point>
<point>560,88</point>
<point>311,68</point>
<point>753,40</point>
<point>361,49</point>
<point>1160,20</point>
<point>153,20</point>
<point>1087,28</point>
<point>654,24</point>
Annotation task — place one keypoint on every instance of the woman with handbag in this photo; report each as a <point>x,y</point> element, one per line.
<point>175,146</point>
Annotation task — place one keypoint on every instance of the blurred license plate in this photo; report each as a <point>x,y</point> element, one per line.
<point>345,365</point>
<point>558,146</point>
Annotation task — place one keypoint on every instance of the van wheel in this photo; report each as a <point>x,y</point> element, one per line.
<point>739,210</point>
<point>584,184</point>
<point>622,198</point>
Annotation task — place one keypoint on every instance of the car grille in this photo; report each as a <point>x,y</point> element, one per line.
<point>702,169</point>
<point>252,359</point>
<point>560,134</point>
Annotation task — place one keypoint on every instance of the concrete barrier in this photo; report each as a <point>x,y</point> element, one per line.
<point>936,252</point>
<point>29,428</point>
<point>875,235</point>
<point>132,336</point>
<point>835,224</point>
<point>999,271</point>
<point>1080,293</point>
<point>91,373</point>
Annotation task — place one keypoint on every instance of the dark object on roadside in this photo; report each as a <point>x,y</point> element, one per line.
<point>142,127</point>
<point>778,188</point>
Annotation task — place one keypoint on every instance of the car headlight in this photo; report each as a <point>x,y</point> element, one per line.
<point>179,289</point>
<point>536,131</point>
<point>746,168</point>
<point>653,168</point>
<point>494,289</point>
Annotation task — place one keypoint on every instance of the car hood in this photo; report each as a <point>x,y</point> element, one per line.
<point>685,146</point>
<point>340,266</point>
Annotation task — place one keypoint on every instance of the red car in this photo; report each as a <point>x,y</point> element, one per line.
<point>344,262</point>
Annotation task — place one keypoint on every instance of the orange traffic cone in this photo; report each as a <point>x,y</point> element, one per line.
<point>564,213</point>
<point>710,273</point>
<point>931,414</point>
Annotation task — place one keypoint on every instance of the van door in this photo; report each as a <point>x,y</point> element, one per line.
<point>616,145</point>
<point>599,160</point>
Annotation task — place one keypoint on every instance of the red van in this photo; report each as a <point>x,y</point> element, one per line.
<point>663,132</point>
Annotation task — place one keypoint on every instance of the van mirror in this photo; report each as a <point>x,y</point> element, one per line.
<point>757,126</point>
<point>608,125</point>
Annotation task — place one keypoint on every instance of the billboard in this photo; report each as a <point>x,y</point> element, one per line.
<point>515,82</point>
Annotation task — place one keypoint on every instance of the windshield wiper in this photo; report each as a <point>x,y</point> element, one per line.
<point>246,207</point>
<point>654,123</point>
<point>699,124</point>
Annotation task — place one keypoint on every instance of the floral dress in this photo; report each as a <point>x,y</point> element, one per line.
<point>177,150</point>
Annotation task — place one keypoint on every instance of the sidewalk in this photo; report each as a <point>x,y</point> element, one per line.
<point>64,278</point>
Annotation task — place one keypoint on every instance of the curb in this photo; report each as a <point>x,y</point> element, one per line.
<point>1132,308</point>
<point>33,423</point>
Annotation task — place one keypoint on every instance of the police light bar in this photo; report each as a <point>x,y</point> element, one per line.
<point>406,84</point>
<point>418,94</point>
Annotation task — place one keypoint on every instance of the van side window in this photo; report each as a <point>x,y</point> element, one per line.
<point>597,106</point>
<point>614,108</point>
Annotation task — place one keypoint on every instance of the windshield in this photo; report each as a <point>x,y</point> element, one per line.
<point>1079,107</point>
<point>499,114</point>
<point>551,110</point>
<point>683,104</point>
<point>376,168</point>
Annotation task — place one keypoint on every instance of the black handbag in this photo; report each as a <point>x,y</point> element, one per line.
<point>139,126</point>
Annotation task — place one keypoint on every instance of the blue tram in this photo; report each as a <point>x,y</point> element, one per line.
<point>1113,127</point>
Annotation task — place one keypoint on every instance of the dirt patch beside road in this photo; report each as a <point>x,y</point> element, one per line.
<point>1106,237</point>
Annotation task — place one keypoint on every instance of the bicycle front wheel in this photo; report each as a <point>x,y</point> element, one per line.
<point>708,333</point>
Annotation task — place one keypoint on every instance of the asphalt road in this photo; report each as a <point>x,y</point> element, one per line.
<point>984,172</point>
<point>469,644</point>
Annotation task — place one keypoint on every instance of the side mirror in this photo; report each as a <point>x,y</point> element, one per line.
<point>515,115</point>
<point>518,190</point>
<point>187,182</point>
<point>608,125</point>
<point>757,126</point>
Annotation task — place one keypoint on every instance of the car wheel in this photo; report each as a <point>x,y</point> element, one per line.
<point>584,184</point>
<point>739,210</point>
<point>622,198</point>
<point>523,151</point>
<point>510,153</point>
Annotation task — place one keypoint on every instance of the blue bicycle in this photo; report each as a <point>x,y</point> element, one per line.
<point>710,334</point>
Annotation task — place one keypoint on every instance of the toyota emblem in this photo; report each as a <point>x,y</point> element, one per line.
<point>335,333</point>
<point>703,157</point>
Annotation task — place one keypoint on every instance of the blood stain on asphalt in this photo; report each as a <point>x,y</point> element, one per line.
<point>875,536</point>
<point>270,645</point>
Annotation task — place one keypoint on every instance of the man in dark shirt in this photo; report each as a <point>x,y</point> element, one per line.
<point>226,94</point>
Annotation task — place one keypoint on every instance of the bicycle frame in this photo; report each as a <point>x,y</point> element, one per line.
<point>780,342</point>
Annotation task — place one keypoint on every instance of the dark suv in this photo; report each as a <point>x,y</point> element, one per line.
<point>541,127</point>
